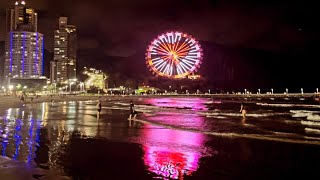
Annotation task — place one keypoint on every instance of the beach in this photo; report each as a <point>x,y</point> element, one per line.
<point>172,138</point>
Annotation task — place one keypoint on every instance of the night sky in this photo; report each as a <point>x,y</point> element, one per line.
<point>269,38</point>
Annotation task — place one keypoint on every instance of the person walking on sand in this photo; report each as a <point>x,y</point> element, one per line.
<point>243,110</point>
<point>99,107</point>
<point>133,113</point>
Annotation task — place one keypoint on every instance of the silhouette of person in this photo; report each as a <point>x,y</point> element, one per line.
<point>99,107</point>
<point>133,113</point>
<point>243,110</point>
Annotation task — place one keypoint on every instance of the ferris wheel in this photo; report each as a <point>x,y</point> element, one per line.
<point>174,55</point>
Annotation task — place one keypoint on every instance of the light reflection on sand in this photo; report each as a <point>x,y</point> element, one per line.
<point>171,153</point>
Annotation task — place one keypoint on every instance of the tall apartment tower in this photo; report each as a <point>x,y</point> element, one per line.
<point>63,67</point>
<point>23,44</point>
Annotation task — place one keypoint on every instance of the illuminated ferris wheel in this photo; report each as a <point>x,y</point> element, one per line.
<point>174,55</point>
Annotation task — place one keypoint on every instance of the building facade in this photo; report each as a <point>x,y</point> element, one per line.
<point>24,46</point>
<point>63,67</point>
<point>1,63</point>
<point>21,18</point>
<point>24,55</point>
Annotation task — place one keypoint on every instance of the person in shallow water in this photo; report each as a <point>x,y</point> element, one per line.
<point>99,107</point>
<point>243,110</point>
<point>132,111</point>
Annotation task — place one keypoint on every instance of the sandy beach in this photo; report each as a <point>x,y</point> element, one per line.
<point>17,170</point>
<point>172,138</point>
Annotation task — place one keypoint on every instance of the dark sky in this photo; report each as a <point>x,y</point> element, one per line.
<point>120,27</point>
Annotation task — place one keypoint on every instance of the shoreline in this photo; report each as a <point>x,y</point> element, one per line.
<point>14,169</point>
<point>108,138</point>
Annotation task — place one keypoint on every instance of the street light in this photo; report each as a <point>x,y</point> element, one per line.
<point>55,87</point>
<point>82,86</point>
<point>70,86</point>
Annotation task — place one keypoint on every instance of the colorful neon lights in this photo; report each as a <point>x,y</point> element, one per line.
<point>174,55</point>
<point>11,39</point>
<point>171,153</point>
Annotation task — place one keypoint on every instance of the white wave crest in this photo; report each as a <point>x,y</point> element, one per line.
<point>230,114</point>
<point>310,115</point>
<point>288,105</point>
<point>312,130</point>
<point>120,103</point>
<point>314,117</point>
<point>310,123</point>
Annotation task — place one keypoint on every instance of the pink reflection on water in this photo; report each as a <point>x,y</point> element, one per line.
<point>181,103</point>
<point>174,119</point>
<point>172,153</point>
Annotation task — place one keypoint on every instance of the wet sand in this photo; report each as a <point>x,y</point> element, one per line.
<point>74,144</point>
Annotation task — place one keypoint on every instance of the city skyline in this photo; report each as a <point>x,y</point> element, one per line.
<point>23,44</point>
<point>264,37</point>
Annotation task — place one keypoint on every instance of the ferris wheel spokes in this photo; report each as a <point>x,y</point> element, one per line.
<point>174,55</point>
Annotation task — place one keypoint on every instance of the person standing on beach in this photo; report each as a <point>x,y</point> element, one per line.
<point>243,110</point>
<point>99,107</point>
<point>132,111</point>
<point>22,98</point>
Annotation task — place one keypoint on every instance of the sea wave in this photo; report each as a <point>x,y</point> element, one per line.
<point>280,137</point>
<point>313,117</point>
<point>289,105</point>
<point>310,123</point>
<point>233,114</point>
<point>312,130</point>
<point>309,115</point>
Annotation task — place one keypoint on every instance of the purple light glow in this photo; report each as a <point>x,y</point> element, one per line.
<point>11,39</point>
<point>171,153</point>
<point>42,56</point>
<point>187,120</point>
<point>183,103</point>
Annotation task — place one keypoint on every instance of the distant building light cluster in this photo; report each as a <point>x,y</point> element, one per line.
<point>194,77</point>
<point>96,78</point>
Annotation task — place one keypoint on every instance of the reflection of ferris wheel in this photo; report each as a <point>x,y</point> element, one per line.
<point>174,55</point>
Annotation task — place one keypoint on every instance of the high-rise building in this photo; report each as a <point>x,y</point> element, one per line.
<point>21,18</point>
<point>53,71</point>
<point>1,62</point>
<point>23,44</point>
<point>63,66</point>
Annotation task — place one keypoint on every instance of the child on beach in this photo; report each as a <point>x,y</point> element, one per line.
<point>132,111</point>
